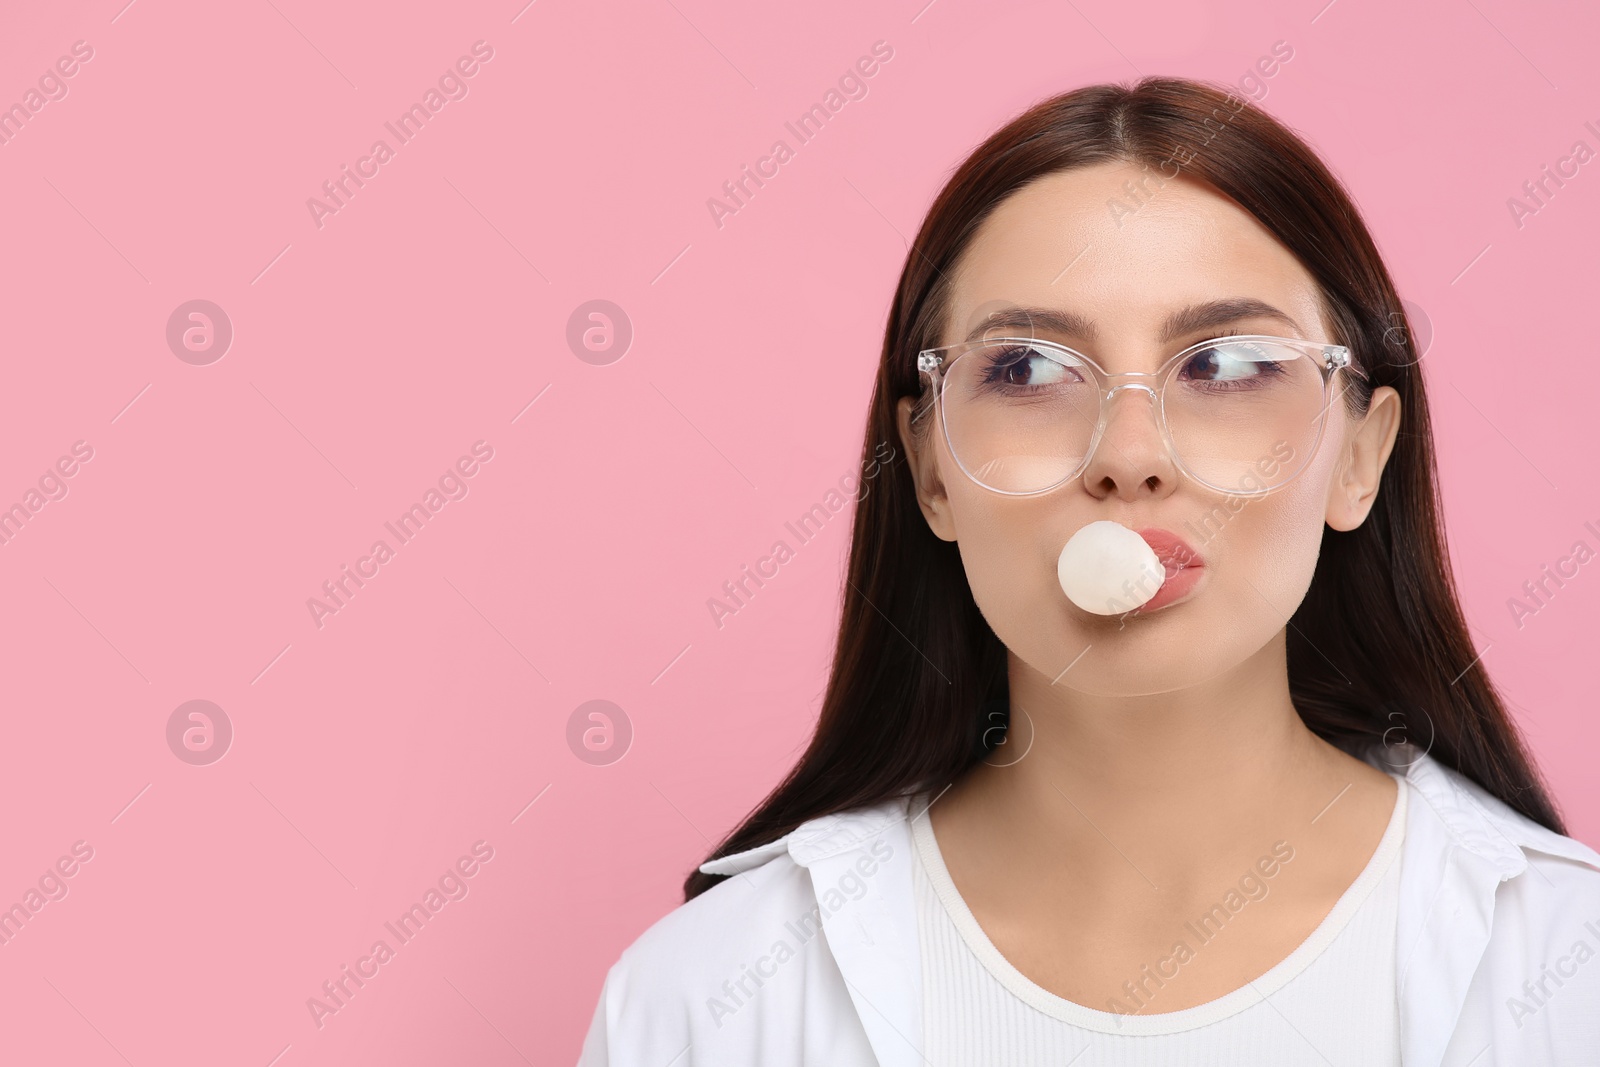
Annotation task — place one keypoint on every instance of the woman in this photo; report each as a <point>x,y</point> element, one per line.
<point>1275,813</point>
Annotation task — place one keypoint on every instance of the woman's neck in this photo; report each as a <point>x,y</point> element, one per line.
<point>1182,785</point>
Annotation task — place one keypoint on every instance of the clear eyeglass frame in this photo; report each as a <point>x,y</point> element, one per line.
<point>933,363</point>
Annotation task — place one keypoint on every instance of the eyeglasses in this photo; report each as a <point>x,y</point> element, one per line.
<point>1242,414</point>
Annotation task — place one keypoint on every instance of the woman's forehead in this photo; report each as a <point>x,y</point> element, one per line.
<point>1056,243</point>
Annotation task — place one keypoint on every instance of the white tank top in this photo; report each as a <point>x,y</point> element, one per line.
<point>1330,1001</point>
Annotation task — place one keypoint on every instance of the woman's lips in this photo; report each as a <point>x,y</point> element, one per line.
<point>1182,562</point>
<point>1173,551</point>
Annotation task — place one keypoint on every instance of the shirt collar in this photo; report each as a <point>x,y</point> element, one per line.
<point>1476,819</point>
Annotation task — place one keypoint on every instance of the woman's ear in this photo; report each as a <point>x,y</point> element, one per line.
<point>1355,486</point>
<point>920,459</point>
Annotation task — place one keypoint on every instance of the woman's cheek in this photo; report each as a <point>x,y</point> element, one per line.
<point>1002,572</point>
<point>1272,561</point>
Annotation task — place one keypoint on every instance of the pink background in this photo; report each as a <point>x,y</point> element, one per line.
<point>369,354</point>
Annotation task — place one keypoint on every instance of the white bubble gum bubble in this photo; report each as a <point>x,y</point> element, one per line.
<point>1106,568</point>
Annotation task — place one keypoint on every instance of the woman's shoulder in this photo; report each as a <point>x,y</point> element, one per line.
<point>703,975</point>
<point>1547,893</point>
<point>1535,995</point>
<point>679,981</point>
<point>722,922</point>
<point>764,884</point>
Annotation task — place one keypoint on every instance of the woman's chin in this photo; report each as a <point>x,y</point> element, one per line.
<point>1133,655</point>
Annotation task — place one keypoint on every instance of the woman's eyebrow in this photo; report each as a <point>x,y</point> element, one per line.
<point>1195,317</point>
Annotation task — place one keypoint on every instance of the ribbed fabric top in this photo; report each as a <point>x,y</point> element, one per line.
<point>1330,1001</point>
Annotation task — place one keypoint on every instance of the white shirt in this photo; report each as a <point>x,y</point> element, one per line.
<point>978,1009</point>
<point>809,954</point>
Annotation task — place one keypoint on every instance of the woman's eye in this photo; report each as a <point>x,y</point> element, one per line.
<point>1029,367</point>
<point>1222,363</point>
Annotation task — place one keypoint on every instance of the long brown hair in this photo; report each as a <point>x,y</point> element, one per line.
<point>1377,648</point>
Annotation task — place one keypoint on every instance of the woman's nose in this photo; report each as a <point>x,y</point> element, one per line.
<point>1131,458</point>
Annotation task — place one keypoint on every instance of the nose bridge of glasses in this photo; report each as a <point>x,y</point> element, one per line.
<point>1150,389</point>
<point>1116,381</point>
<point>1150,416</point>
<point>1148,385</point>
